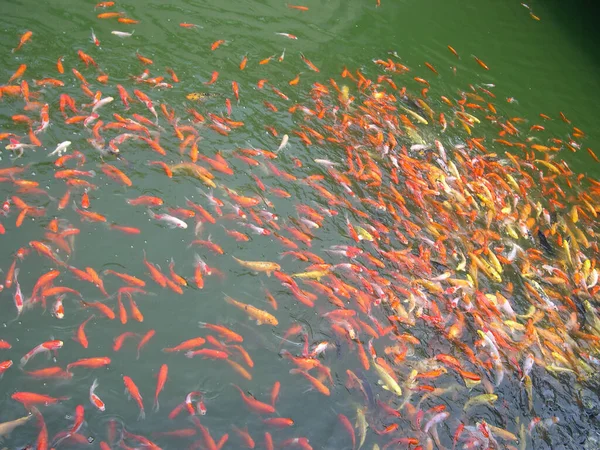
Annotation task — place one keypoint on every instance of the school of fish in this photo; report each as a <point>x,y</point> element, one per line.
<point>465,269</point>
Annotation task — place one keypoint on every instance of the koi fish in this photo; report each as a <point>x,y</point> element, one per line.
<point>94,399</point>
<point>261,317</point>
<point>259,266</point>
<point>6,428</point>
<point>171,221</point>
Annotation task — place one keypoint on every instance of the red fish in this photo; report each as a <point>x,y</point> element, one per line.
<point>31,398</point>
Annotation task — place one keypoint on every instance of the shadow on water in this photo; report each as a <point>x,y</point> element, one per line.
<point>580,18</point>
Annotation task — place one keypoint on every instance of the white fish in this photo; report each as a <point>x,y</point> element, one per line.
<point>60,148</point>
<point>122,34</point>
<point>284,142</point>
<point>440,149</point>
<point>527,365</point>
<point>435,420</point>
<point>172,221</point>
<point>94,399</point>
<point>326,162</point>
<point>100,103</point>
<point>19,147</point>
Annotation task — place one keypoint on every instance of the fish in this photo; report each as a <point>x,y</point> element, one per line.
<point>160,384</point>
<point>255,405</point>
<point>32,398</point>
<point>122,34</point>
<point>134,392</point>
<point>481,63</point>
<point>287,35</point>
<point>446,231</point>
<point>259,266</point>
<point>479,400</point>
<point>361,424</point>
<point>60,148</point>
<point>25,37</point>
<point>171,221</point>
<point>6,428</point>
<point>387,381</point>
<point>284,143</point>
<point>261,317</point>
<point>94,399</point>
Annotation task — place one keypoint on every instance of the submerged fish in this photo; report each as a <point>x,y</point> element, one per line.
<point>7,427</point>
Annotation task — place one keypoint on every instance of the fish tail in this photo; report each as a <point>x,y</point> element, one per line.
<point>156,405</point>
<point>142,414</point>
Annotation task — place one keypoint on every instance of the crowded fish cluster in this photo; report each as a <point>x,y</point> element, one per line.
<point>465,268</point>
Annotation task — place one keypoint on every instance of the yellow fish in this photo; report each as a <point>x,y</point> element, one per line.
<point>364,234</point>
<point>196,171</point>
<point>199,96</point>
<point>480,399</point>
<point>316,274</point>
<point>261,317</point>
<point>387,381</point>
<point>259,266</point>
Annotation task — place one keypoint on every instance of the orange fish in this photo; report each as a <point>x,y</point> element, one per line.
<point>80,335</point>
<point>144,60</point>
<point>31,398</point>
<point>255,405</point>
<point>144,341</point>
<point>242,64</point>
<point>160,384</point>
<point>186,345</point>
<point>430,67</point>
<point>310,65</point>
<point>24,38</point>
<point>214,77</point>
<point>215,45</point>
<point>481,63</point>
<point>90,363</point>
<point>19,72</point>
<point>109,15</point>
<point>298,7</point>
<point>236,90</point>
<point>135,394</point>
<point>227,334</point>
<point>115,174</point>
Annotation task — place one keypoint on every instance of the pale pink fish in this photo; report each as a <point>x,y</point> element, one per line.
<point>171,221</point>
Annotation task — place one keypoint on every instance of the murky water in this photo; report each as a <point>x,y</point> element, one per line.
<point>333,35</point>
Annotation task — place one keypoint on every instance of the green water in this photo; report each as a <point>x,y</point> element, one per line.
<point>545,65</point>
